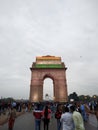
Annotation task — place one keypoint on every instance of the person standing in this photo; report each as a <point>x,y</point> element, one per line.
<point>83,112</point>
<point>46,117</point>
<point>58,116</point>
<point>37,114</point>
<point>77,118</point>
<point>11,118</point>
<point>67,120</point>
<point>96,113</point>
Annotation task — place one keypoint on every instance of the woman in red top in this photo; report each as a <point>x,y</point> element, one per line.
<point>46,116</point>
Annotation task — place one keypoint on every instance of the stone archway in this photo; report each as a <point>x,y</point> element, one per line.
<point>52,67</point>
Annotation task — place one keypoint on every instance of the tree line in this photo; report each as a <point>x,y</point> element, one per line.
<point>75,97</point>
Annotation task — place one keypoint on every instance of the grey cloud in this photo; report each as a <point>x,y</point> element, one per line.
<point>62,28</point>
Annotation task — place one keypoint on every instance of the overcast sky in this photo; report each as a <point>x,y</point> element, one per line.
<point>65,28</point>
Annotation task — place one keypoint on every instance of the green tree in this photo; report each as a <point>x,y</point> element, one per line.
<point>73,96</point>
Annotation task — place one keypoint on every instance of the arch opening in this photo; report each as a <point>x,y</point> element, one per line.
<point>48,89</point>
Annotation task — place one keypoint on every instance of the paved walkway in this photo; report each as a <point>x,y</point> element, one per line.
<point>26,122</point>
<point>92,120</point>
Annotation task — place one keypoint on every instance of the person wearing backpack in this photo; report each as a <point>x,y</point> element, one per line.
<point>58,114</point>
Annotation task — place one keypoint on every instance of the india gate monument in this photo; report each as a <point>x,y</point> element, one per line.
<point>48,67</point>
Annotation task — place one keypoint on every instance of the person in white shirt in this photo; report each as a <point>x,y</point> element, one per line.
<point>78,120</point>
<point>67,120</point>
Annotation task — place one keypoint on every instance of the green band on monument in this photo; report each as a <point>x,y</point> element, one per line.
<point>48,66</point>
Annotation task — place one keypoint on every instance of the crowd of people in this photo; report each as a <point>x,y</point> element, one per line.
<point>68,116</point>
